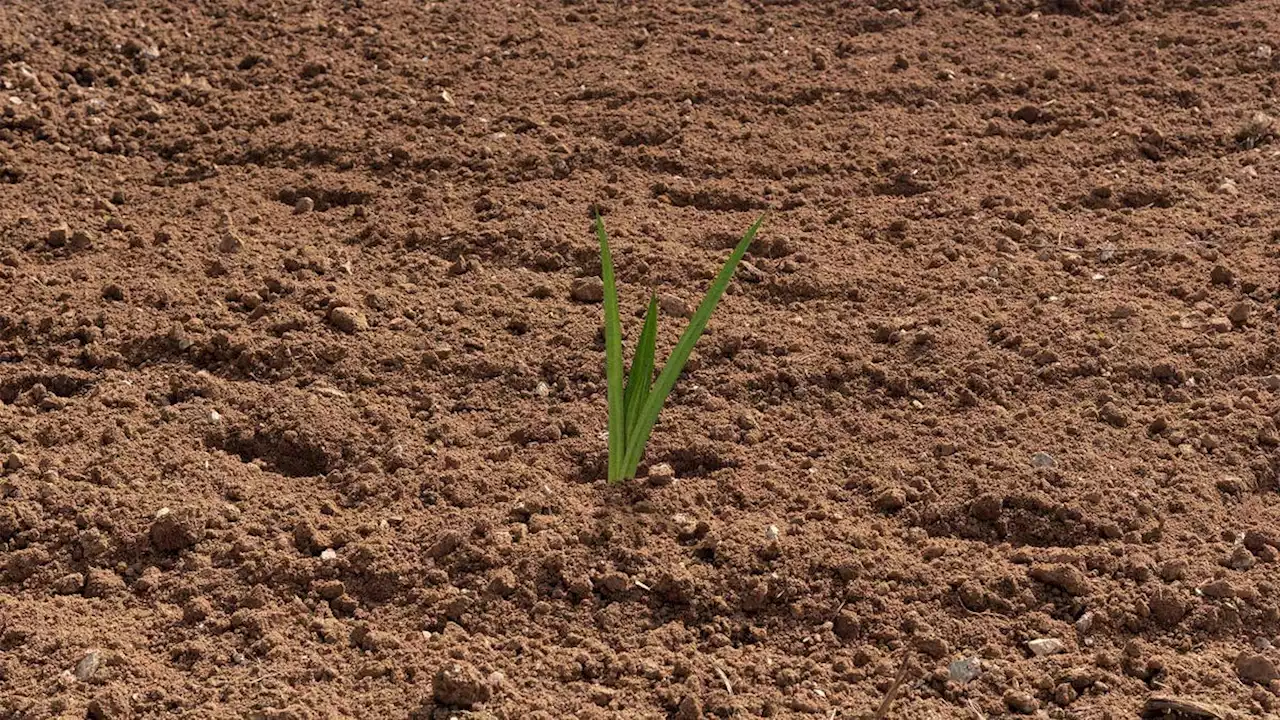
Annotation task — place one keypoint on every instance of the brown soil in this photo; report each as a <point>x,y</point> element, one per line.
<point>301,415</point>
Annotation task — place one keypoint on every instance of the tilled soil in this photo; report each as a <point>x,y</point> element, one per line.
<point>301,362</point>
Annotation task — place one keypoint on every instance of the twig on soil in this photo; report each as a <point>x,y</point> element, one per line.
<point>728,686</point>
<point>883,710</point>
<point>977,713</point>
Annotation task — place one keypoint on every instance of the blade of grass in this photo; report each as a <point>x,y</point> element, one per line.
<point>641,377</point>
<point>638,436</point>
<point>613,357</point>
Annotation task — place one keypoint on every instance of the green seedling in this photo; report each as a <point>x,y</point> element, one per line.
<point>635,400</point>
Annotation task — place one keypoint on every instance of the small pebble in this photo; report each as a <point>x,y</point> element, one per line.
<point>964,670</point>
<point>70,584</point>
<point>81,240</point>
<point>1068,578</point>
<point>348,319</point>
<point>1239,313</point>
<point>58,236</point>
<point>231,242</point>
<point>88,666</point>
<point>661,474</point>
<point>1113,415</point>
<point>303,205</point>
<point>15,461</point>
<point>1021,702</point>
<point>1220,324</point>
<point>1041,647</point>
<point>1084,623</point>
<point>674,306</point>
<point>587,290</point>
<point>1256,668</point>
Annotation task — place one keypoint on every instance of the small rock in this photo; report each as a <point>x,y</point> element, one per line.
<point>458,684</point>
<point>231,242</point>
<point>1043,460</point>
<point>674,306</point>
<point>541,523</point>
<point>846,625</point>
<point>15,461</point>
<point>1241,558</point>
<point>1239,313</point>
<point>1068,578</point>
<point>587,289</point>
<point>1257,540</point>
<point>175,530</point>
<point>661,474</point>
<point>348,319</point>
<point>749,272</point>
<point>1220,324</point>
<point>1220,589</point>
<point>1256,668</point>
<point>1113,415</point>
<point>1064,694</point>
<point>890,500</point>
<point>371,640</point>
<point>1028,114</point>
<point>1227,187</point>
<point>1021,702</point>
<point>69,584</point>
<point>314,69</point>
<point>1084,623</point>
<point>58,236</point>
<point>1041,647</point>
<point>1045,357</point>
<point>1258,125</point>
<point>1220,275</point>
<point>251,300</point>
<point>303,205</point>
<point>964,670</point>
<point>81,240</point>
<point>113,292</point>
<point>88,666</point>
<point>101,583</point>
<point>466,264</point>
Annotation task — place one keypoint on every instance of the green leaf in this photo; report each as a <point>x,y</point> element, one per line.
<point>613,357</point>
<point>641,377</point>
<point>638,435</point>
